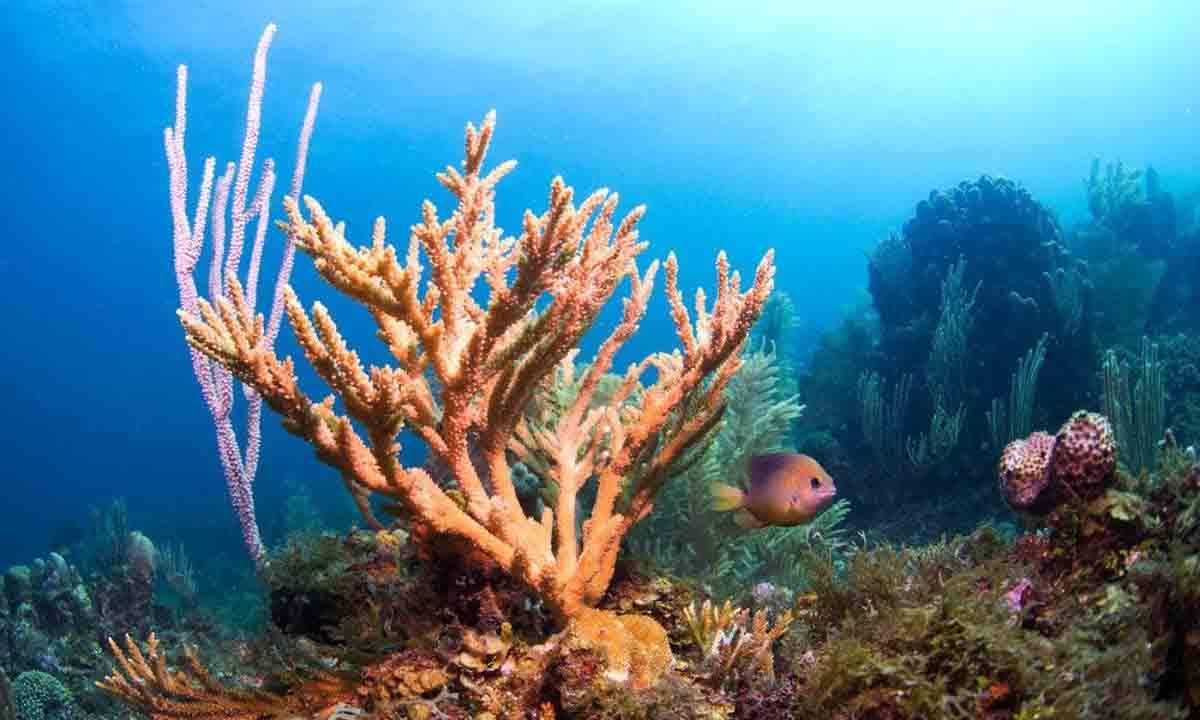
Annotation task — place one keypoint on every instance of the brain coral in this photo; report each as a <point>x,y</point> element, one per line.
<point>1025,477</point>
<point>39,696</point>
<point>1085,455</point>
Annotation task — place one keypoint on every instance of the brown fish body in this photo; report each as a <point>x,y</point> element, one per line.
<point>785,489</point>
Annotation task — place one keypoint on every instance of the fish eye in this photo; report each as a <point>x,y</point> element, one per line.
<point>816,483</point>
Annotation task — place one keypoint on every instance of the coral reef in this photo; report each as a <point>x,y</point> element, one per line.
<point>1058,308</point>
<point>470,380</point>
<point>736,645</point>
<point>1091,620</point>
<point>484,653</point>
<point>50,619</point>
<point>465,372</point>
<point>1065,623</point>
<point>1008,242</point>
<point>1089,615</point>
<point>145,681</point>
<point>57,611</point>
<point>555,555</point>
<point>983,254</point>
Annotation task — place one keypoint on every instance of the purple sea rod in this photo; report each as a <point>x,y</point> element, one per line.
<point>216,383</point>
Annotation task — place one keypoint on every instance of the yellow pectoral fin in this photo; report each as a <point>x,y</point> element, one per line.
<point>746,520</point>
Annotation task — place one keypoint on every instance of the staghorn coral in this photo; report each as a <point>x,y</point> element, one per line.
<point>143,681</point>
<point>736,644</point>
<point>705,622</point>
<point>464,371</point>
<point>551,401</point>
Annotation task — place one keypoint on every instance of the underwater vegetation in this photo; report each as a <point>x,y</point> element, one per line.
<point>1090,612</point>
<point>562,553</point>
<point>987,319</point>
<point>983,254</point>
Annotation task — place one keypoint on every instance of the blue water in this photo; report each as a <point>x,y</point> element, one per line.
<point>813,132</point>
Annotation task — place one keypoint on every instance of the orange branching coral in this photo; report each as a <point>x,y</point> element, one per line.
<point>464,371</point>
<point>143,681</point>
<point>732,640</point>
<point>706,621</point>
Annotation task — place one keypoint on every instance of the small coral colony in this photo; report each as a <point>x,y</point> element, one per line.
<point>674,540</point>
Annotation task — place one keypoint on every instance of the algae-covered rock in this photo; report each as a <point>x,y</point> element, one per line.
<point>602,652</point>
<point>18,585</point>
<point>40,696</point>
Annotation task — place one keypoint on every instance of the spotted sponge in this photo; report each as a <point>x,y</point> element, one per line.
<point>1085,455</point>
<point>1025,477</point>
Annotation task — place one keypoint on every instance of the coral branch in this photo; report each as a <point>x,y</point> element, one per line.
<point>466,372</point>
<point>143,681</point>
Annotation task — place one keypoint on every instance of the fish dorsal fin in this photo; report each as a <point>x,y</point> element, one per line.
<point>763,467</point>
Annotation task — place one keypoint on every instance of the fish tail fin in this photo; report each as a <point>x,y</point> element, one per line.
<point>726,497</point>
<point>745,520</point>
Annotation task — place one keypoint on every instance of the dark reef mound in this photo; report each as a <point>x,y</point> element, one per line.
<point>1011,244</point>
<point>1178,295</point>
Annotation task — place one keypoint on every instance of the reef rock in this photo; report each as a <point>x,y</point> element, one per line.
<point>603,653</point>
